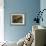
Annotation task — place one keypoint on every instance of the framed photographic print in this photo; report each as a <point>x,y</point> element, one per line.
<point>17,19</point>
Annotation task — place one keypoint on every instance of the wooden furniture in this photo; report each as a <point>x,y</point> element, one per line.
<point>39,36</point>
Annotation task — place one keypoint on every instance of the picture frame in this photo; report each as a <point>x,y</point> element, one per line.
<point>17,19</point>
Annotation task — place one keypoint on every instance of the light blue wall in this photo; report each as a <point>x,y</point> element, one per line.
<point>43,6</point>
<point>28,8</point>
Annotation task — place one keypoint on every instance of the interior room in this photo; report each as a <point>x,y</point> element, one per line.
<point>22,23</point>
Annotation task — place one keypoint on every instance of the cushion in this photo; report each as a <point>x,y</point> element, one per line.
<point>20,42</point>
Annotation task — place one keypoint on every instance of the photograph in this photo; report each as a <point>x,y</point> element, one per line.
<point>17,19</point>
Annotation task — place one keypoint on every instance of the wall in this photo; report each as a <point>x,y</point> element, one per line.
<point>42,6</point>
<point>1,21</point>
<point>28,8</point>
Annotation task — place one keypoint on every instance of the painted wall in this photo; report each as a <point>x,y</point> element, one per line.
<point>43,6</point>
<point>1,21</point>
<point>28,8</point>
